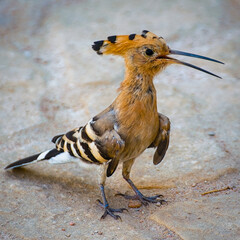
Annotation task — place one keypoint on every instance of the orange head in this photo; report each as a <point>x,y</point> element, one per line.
<point>147,52</point>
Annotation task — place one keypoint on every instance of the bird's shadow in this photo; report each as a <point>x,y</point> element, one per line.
<point>65,181</point>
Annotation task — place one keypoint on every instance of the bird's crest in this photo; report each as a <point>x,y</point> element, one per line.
<point>120,44</point>
<point>153,51</point>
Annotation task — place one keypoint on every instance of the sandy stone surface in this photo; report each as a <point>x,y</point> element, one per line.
<point>52,81</point>
<point>205,218</point>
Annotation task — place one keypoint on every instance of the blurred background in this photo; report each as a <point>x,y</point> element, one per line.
<point>52,81</point>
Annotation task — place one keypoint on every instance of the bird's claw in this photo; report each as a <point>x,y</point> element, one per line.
<point>110,211</point>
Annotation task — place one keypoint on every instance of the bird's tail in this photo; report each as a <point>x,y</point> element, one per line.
<point>34,158</point>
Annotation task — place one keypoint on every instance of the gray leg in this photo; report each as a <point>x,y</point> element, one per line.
<point>102,173</point>
<point>104,204</point>
<point>139,196</point>
<point>126,168</point>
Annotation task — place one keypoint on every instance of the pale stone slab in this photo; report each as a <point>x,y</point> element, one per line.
<point>208,218</point>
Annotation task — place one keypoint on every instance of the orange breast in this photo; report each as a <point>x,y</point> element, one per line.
<point>138,123</point>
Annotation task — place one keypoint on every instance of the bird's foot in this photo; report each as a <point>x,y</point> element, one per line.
<point>143,199</point>
<point>111,211</point>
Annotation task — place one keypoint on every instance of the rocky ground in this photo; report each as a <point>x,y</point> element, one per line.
<point>51,81</point>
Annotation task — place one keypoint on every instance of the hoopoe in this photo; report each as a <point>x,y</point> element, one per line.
<point>130,124</point>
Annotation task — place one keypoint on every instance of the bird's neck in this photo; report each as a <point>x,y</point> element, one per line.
<point>137,97</point>
<point>136,83</point>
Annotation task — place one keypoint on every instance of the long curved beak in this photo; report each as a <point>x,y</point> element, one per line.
<point>176,52</point>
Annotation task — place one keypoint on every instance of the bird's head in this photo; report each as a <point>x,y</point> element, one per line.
<point>147,52</point>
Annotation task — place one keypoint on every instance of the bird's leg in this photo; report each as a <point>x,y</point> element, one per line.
<point>104,204</point>
<point>139,196</point>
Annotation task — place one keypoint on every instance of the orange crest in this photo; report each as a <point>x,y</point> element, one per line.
<point>120,44</point>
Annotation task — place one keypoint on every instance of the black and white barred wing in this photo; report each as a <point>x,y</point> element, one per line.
<point>89,144</point>
<point>97,142</point>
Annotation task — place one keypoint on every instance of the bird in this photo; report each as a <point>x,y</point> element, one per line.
<point>131,123</point>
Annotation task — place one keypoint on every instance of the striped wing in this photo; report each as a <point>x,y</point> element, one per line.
<point>90,143</point>
<point>79,144</point>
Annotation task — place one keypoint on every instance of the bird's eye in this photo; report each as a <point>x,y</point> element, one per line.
<point>149,52</point>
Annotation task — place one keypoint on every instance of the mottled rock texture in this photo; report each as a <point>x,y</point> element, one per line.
<point>51,81</point>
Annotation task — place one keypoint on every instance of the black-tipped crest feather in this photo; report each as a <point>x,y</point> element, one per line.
<point>97,45</point>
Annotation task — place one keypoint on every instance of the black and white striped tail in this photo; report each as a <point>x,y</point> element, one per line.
<point>34,158</point>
